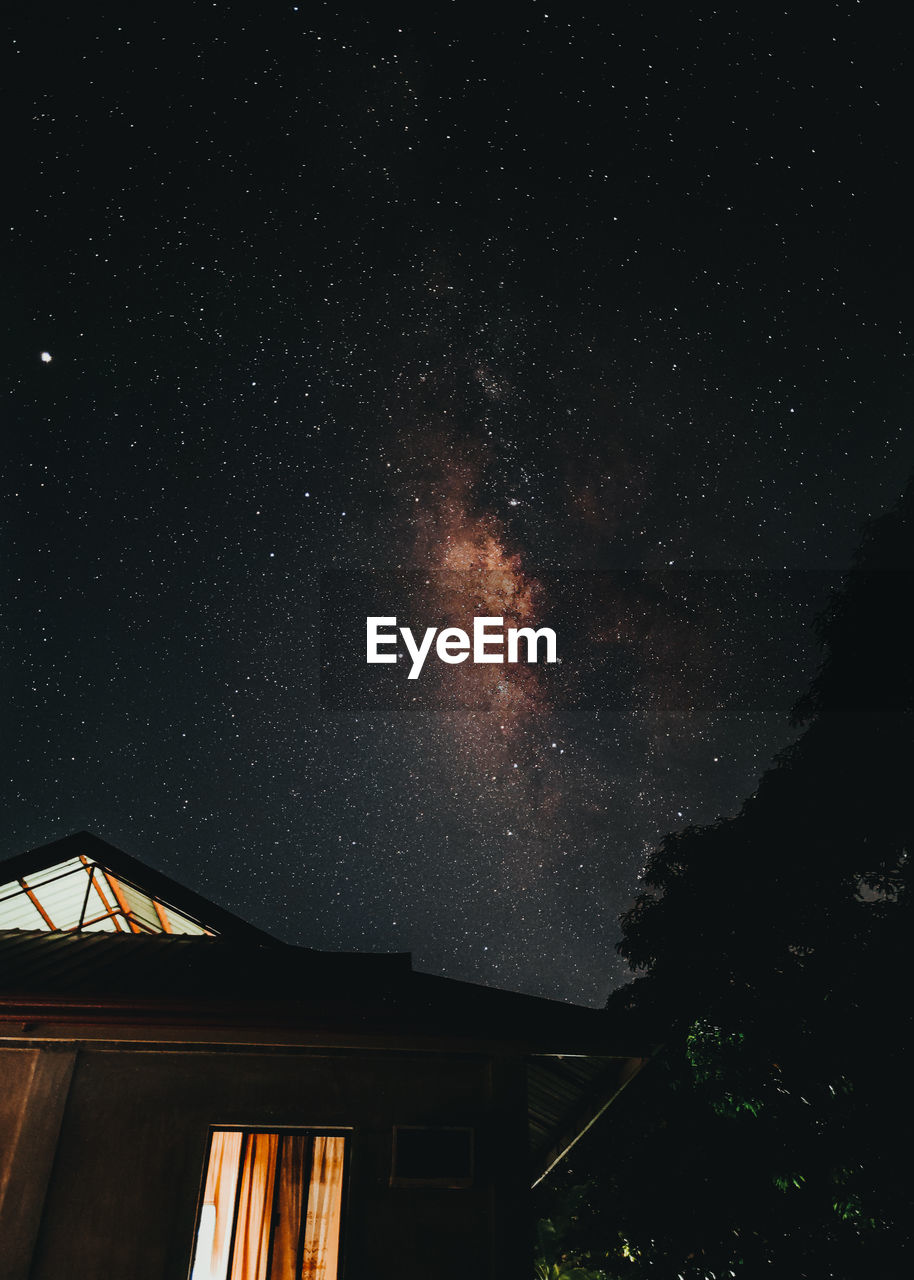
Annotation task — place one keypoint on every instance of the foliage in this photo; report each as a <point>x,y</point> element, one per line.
<point>556,1257</point>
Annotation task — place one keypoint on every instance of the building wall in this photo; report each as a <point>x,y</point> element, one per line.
<point>103,1151</point>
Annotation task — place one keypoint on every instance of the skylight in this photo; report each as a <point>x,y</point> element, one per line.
<point>80,895</point>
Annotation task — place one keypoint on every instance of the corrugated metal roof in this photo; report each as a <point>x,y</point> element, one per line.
<point>555,1085</point>
<point>565,1097</point>
<point>121,964</point>
<point>297,983</point>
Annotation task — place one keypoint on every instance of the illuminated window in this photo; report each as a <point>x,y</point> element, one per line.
<point>272,1204</point>
<point>81,895</point>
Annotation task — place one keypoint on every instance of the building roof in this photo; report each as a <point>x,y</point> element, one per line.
<point>160,962</point>
<point>220,981</point>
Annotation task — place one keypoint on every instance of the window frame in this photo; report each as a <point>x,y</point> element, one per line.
<point>450,1184</point>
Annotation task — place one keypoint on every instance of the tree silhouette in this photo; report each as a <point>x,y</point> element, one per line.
<point>773,1130</point>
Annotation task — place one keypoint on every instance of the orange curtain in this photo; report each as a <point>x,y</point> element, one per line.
<point>325,1203</point>
<point>250,1254</point>
<point>290,1191</point>
<point>258,1186</point>
<point>214,1236</point>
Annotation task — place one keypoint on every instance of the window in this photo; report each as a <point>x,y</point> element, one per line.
<point>81,896</point>
<point>272,1204</point>
<point>424,1156</point>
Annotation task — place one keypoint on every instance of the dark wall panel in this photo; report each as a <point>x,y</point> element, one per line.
<point>123,1192</point>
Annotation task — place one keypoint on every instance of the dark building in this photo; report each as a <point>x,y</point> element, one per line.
<point>184,1096</point>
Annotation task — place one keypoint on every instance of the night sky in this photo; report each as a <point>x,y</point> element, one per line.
<point>598,315</point>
